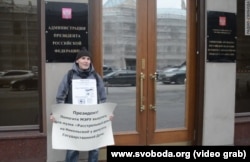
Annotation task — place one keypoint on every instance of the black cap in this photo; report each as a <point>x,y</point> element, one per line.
<point>83,52</point>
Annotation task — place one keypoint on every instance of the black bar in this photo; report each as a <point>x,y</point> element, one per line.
<point>177,153</point>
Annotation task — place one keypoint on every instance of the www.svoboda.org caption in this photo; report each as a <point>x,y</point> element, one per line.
<point>160,153</point>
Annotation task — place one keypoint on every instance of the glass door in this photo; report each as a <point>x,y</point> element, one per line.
<point>146,46</point>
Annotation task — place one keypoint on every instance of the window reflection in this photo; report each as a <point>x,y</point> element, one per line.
<point>171,63</point>
<point>19,63</point>
<point>119,43</point>
<point>242,63</point>
<point>121,78</point>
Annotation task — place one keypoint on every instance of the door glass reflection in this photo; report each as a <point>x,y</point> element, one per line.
<point>171,63</point>
<point>119,60</point>
<point>242,92</point>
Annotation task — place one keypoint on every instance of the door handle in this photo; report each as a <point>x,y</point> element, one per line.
<point>152,107</point>
<point>154,78</point>
<point>142,107</point>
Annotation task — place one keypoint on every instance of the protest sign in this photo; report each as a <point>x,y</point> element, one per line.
<point>82,127</point>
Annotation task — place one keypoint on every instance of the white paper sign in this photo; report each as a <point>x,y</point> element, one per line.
<point>84,91</point>
<point>82,127</point>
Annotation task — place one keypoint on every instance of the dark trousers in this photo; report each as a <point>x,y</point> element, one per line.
<point>73,156</point>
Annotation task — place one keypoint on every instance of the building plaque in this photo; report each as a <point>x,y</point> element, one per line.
<point>221,38</point>
<point>66,26</point>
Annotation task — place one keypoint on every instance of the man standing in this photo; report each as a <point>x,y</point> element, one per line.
<point>82,69</point>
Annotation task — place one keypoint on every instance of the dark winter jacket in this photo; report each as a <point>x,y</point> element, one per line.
<point>65,88</point>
